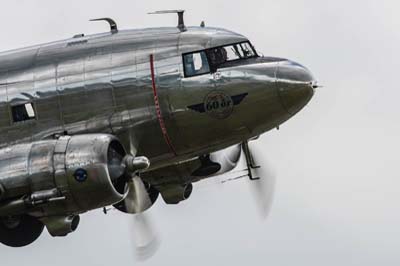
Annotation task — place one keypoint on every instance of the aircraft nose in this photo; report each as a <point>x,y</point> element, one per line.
<point>295,85</point>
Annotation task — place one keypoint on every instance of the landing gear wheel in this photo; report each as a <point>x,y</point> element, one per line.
<point>20,231</point>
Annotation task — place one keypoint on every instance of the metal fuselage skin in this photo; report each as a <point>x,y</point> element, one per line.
<point>104,84</point>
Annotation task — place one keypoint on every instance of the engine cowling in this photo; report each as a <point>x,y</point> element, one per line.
<point>93,165</point>
<point>71,174</point>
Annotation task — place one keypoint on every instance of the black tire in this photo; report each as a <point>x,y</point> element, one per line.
<point>23,231</point>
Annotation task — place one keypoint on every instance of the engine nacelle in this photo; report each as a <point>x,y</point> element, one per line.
<point>228,158</point>
<point>219,162</point>
<point>71,175</point>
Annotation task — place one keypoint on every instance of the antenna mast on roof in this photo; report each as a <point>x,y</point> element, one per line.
<point>113,25</point>
<point>181,23</point>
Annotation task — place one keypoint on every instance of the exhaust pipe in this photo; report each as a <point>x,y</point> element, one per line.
<point>61,225</point>
<point>177,193</point>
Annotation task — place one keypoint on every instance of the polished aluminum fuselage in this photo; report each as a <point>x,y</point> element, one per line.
<point>103,84</point>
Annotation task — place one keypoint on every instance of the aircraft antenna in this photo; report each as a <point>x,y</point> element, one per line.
<point>113,24</point>
<point>181,22</point>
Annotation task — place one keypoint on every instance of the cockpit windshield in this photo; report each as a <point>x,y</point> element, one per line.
<point>209,60</point>
<point>221,55</point>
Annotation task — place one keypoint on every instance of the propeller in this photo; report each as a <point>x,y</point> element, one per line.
<point>146,238</point>
<point>140,196</point>
<point>264,177</point>
<point>137,199</point>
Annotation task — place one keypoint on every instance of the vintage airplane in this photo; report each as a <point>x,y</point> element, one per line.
<point>117,118</point>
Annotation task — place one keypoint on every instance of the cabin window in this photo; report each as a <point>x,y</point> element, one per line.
<point>23,112</point>
<point>196,64</point>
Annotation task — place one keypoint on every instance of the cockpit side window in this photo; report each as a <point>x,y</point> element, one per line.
<point>23,112</point>
<point>196,64</point>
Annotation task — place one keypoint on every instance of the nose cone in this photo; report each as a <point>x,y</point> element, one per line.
<point>295,85</point>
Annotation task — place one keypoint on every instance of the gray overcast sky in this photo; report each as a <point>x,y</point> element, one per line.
<point>337,197</point>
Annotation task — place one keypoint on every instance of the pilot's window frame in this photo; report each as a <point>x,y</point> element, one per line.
<point>252,49</point>
<point>213,67</point>
<point>204,69</point>
<point>24,112</point>
<point>227,63</point>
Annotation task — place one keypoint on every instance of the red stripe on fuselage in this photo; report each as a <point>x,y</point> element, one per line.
<point>158,108</point>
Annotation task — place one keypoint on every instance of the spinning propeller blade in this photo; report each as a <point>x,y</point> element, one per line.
<point>145,236</point>
<point>137,201</point>
<point>261,174</point>
<point>263,187</point>
<point>140,197</point>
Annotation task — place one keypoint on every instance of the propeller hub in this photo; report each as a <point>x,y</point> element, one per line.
<point>136,164</point>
